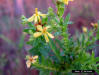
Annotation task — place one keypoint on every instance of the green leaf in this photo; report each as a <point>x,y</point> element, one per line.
<point>44,20</point>
<point>50,12</point>
<point>97,59</point>
<point>56,20</point>
<point>34,51</point>
<point>97,65</point>
<point>97,71</point>
<point>55,49</point>
<point>93,56</point>
<point>82,40</point>
<point>67,18</point>
<point>30,24</point>
<point>46,61</point>
<point>60,44</point>
<point>21,42</point>
<point>44,50</point>
<point>44,72</point>
<point>60,11</point>
<point>33,29</point>
<point>97,35</point>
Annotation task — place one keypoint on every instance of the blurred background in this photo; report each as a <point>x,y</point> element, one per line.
<point>12,56</point>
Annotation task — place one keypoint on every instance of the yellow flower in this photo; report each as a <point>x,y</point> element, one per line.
<point>66,1</point>
<point>84,29</point>
<point>43,31</point>
<point>36,17</point>
<point>95,25</point>
<point>30,60</point>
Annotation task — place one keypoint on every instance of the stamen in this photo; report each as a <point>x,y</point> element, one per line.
<point>44,30</point>
<point>31,59</point>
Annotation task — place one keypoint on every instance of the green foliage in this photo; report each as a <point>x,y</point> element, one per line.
<point>60,8</point>
<point>62,54</point>
<point>98,32</point>
<point>44,72</point>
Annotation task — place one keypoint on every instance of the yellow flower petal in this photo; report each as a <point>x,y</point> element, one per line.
<point>84,29</point>
<point>37,34</point>
<point>36,11</point>
<point>46,38</point>
<point>28,57</point>
<point>35,19</point>
<point>33,61</point>
<point>39,27</point>
<point>31,19</point>
<point>50,35</point>
<point>43,15</point>
<point>40,14</point>
<point>35,57</point>
<point>94,25</point>
<point>39,18</point>
<point>36,16</point>
<point>28,63</point>
<point>66,1</point>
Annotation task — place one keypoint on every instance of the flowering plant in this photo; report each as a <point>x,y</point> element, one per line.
<point>53,50</point>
